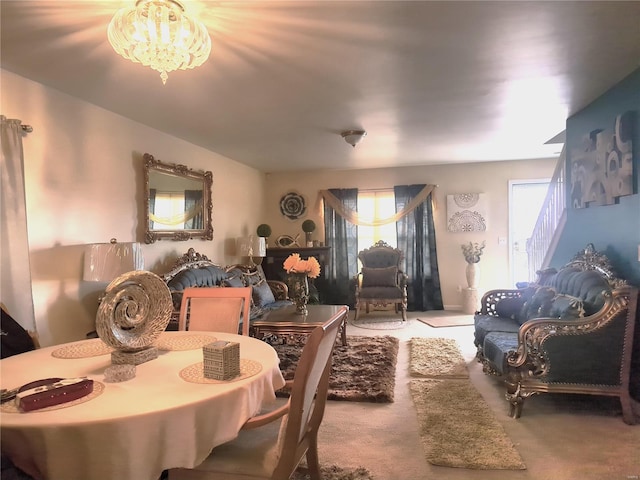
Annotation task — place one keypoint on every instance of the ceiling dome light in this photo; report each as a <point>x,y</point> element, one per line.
<point>353,137</point>
<point>158,34</point>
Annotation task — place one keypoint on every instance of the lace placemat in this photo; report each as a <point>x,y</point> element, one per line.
<point>12,407</point>
<point>90,348</point>
<point>184,342</point>
<point>195,373</point>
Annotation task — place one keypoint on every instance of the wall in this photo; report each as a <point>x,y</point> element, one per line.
<point>491,178</point>
<point>614,229</point>
<point>84,184</point>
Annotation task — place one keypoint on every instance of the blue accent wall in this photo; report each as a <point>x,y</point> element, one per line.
<point>613,229</point>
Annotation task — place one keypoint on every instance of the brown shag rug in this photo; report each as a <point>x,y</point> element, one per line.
<point>334,472</point>
<point>362,371</point>
<point>436,358</point>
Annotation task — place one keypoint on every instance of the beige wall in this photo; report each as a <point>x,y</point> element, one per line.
<point>84,184</point>
<point>489,178</point>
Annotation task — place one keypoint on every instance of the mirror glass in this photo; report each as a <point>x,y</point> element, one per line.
<point>177,202</point>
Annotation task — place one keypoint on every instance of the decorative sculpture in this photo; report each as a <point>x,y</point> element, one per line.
<point>135,310</point>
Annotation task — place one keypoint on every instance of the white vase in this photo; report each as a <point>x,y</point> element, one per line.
<point>473,275</point>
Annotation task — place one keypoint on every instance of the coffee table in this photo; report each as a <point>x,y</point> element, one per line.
<point>286,323</point>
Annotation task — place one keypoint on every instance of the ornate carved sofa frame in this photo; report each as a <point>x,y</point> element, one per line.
<point>195,270</point>
<point>570,332</point>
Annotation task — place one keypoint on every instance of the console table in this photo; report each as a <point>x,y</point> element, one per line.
<point>273,270</point>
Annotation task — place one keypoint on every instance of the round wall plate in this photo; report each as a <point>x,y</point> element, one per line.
<point>293,205</point>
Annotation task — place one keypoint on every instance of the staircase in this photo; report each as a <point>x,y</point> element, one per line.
<point>551,221</point>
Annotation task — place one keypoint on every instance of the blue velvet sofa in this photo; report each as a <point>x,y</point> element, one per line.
<point>195,270</point>
<point>569,332</point>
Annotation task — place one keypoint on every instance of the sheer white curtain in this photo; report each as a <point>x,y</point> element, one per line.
<point>15,280</point>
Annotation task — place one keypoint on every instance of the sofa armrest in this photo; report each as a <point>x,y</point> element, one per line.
<point>585,350</point>
<point>280,289</point>
<point>492,297</point>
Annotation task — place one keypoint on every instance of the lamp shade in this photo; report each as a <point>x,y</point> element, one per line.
<point>251,246</point>
<point>105,261</point>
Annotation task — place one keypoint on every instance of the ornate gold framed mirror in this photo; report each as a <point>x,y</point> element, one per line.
<point>177,201</point>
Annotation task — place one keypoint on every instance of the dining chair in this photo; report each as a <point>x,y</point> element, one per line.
<point>218,309</point>
<point>269,449</point>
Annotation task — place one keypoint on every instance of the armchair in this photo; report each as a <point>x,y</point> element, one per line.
<point>381,280</point>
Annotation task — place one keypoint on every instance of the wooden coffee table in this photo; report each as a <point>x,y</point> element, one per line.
<point>286,323</point>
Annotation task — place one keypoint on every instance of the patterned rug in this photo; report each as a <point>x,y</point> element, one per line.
<point>334,472</point>
<point>362,371</point>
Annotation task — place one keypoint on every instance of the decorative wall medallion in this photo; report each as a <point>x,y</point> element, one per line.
<point>293,205</point>
<point>466,212</point>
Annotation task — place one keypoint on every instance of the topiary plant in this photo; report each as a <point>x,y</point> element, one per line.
<point>308,226</point>
<point>263,230</point>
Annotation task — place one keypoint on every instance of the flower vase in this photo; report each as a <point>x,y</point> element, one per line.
<point>473,275</point>
<point>298,284</point>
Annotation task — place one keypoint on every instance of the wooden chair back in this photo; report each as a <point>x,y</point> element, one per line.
<point>218,309</point>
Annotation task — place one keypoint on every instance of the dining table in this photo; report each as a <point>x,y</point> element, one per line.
<point>169,414</point>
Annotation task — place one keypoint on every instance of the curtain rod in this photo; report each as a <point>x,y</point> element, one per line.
<point>27,128</point>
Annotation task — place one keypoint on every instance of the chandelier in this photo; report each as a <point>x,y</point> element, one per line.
<point>158,34</point>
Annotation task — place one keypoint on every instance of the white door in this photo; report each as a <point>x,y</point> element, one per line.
<point>525,202</point>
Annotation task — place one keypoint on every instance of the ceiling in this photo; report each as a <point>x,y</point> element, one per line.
<point>431,82</point>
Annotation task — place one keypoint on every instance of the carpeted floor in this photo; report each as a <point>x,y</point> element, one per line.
<point>362,371</point>
<point>454,420</point>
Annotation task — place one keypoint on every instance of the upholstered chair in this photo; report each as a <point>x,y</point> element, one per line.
<point>381,280</point>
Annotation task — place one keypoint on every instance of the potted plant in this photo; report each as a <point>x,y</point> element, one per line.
<point>264,230</point>
<point>308,227</point>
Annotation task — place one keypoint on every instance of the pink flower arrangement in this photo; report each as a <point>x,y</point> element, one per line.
<point>294,264</point>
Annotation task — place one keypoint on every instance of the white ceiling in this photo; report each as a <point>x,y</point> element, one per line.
<point>431,82</point>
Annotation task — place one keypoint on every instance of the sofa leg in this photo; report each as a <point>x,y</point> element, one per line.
<point>515,398</point>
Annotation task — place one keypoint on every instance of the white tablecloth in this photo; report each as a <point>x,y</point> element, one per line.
<point>137,428</point>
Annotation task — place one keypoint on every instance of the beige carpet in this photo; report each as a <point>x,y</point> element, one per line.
<point>436,358</point>
<point>362,371</point>
<point>456,426</point>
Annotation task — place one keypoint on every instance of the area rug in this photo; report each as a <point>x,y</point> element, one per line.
<point>379,320</point>
<point>458,429</point>
<point>448,321</point>
<point>436,358</point>
<point>362,371</point>
<point>334,472</point>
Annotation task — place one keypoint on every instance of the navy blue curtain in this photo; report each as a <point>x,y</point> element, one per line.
<point>417,239</point>
<point>191,198</point>
<point>342,237</point>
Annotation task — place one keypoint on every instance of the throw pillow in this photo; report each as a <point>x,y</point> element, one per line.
<point>233,282</point>
<point>379,277</point>
<point>509,307</point>
<point>566,307</point>
<point>262,294</point>
<point>539,305</point>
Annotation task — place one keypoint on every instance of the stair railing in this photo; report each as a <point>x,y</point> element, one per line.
<point>544,239</point>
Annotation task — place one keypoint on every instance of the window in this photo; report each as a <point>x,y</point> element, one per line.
<point>169,209</point>
<point>373,205</point>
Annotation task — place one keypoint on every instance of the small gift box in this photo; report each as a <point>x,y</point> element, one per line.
<point>221,360</point>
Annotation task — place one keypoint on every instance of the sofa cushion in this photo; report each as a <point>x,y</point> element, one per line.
<point>566,307</point>
<point>262,294</point>
<point>510,307</point>
<point>485,324</point>
<point>496,346</point>
<point>208,276</point>
<point>379,277</point>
